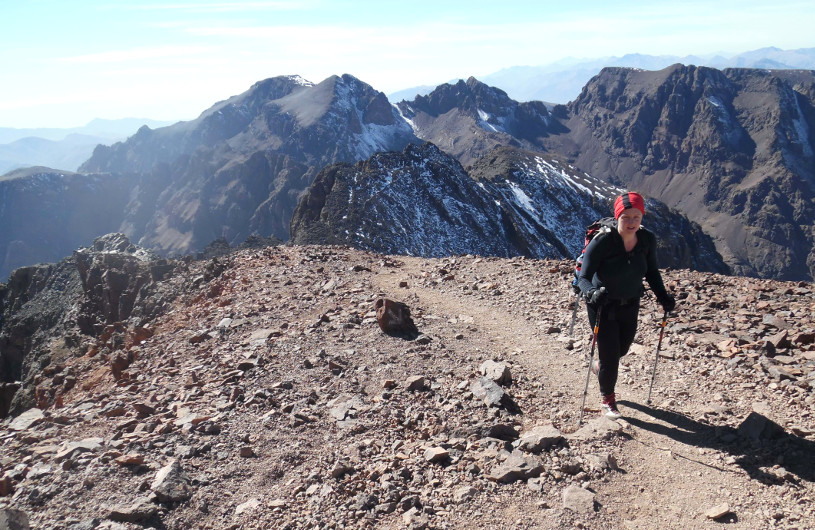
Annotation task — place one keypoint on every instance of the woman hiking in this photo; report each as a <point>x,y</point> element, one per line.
<point>614,265</point>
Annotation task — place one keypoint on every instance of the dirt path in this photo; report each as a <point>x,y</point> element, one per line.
<point>671,472</point>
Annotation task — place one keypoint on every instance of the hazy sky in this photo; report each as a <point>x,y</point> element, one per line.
<point>63,63</point>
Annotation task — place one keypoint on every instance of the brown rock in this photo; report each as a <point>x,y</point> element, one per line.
<point>394,318</point>
<point>172,484</point>
<point>600,428</point>
<point>119,362</point>
<point>517,467</point>
<point>138,511</point>
<point>88,445</point>
<point>415,383</point>
<point>132,459</point>
<point>436,454</point>
<point>26,420</point>
<point>578,500</point>
<point>775,322</point>
<point>138,335</point>
<point>144,409</point>
<point>247,506</point>
<point>780,340</point>
<point>717,512</point>
<point>6,486</point>
<point>199,336</point>
<point>498,372</point>
<point>539,438</point>
<point>464,494</point>
<point>341,467</point>
<point>804,338</point>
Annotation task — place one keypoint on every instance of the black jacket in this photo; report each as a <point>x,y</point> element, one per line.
<point>607,264</point>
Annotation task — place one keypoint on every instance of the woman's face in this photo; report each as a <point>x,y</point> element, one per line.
<point>629,222</point>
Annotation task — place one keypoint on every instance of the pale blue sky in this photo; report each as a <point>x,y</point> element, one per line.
<point>63,63</point>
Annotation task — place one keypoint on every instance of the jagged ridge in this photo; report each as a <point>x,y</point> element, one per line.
<point>512,203</point>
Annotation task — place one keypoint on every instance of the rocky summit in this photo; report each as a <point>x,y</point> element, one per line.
<point>239,168</point>
<point>468,119</point>
<point>259,389</point>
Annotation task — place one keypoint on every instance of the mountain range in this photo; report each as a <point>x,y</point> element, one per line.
<point>725,156</point>
<point>561,81</point>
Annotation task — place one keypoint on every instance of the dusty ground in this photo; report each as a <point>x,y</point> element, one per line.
<point>296,413</point>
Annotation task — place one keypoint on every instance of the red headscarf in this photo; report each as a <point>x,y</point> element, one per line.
<point>628,200</point>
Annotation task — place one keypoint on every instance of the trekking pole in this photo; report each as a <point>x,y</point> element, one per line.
<point>574,312</point>
<point>591,359</point>
<point>659,345</point>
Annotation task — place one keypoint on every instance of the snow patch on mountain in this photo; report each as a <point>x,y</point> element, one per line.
<point>547,198</point>
<point>732,133</point>
<point>522,198</point>
<point>802,129</point>
<point>301,81</point>
<point>484,121</point>
<point>405,118</point>
<point>421,202</point>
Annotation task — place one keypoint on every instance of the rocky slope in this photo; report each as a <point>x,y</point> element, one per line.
<point>732,149</point>
<point>239,168</point>
<point>511,203</point>
<point>266,394</point>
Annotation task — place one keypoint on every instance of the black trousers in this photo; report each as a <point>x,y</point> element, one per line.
<point>615,334</point>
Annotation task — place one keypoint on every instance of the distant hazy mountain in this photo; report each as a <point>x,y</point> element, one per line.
<point>63,149</point>
<point>103,128</point>
<point>562,81</point>
<point>409,94</point>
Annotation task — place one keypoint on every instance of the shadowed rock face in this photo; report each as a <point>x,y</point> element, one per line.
<point>46,310</point>
<point>115,275</point>
<point>512,203</point>
<point>732,149</point>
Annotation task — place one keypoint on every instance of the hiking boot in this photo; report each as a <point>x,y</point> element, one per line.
<point>609,406</point>
<point>595,366</point>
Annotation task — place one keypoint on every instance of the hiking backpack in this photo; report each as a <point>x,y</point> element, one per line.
<point>601,226</point>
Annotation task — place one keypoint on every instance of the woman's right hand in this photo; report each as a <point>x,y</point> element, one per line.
<point>598,296</point>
